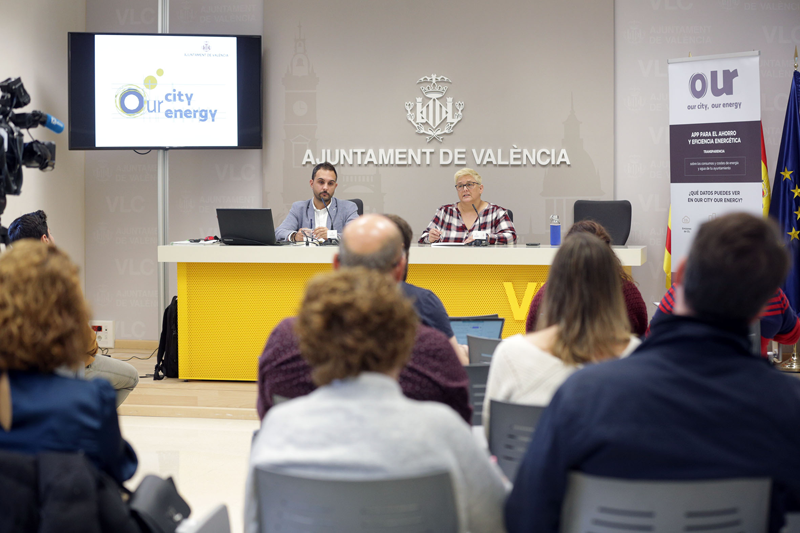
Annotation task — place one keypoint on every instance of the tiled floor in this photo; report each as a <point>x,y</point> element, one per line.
<point>206,458</point>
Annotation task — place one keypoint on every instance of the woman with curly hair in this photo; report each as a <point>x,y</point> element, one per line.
<point>356,329</point>
<point>43,320</point>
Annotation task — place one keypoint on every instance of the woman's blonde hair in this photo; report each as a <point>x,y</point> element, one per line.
<point>584,300</point>
<point>468,172</point>
<point>43,315</point>
<point>352,321</point>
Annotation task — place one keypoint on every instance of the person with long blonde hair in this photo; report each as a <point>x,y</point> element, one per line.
<point>583,321</point>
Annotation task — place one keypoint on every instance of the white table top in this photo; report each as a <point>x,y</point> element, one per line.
<point>419,255</point>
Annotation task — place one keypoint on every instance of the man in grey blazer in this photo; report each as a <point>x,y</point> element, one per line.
<point>310,218</point>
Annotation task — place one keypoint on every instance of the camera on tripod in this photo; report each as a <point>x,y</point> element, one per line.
<point>15,153</point>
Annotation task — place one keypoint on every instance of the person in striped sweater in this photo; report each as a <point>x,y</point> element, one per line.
<point>779,321</point>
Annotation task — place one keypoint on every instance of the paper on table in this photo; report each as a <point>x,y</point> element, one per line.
<point>448,244</point>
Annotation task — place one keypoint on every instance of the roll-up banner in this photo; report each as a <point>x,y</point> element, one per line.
<point>714,141</point>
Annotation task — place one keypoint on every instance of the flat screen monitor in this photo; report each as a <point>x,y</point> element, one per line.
<point>164,91</point>
<point>490,328</point>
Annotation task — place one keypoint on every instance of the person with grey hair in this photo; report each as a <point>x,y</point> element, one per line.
<point>434,372</point>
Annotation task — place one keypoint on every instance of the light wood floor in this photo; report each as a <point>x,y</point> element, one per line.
<point>171,397</point>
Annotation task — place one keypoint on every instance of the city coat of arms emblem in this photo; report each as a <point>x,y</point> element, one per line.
<point>434,118</point>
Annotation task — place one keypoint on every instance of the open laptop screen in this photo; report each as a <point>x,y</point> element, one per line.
<point>477,327</point>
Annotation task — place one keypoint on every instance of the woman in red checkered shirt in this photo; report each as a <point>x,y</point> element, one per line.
<point>457,222</point>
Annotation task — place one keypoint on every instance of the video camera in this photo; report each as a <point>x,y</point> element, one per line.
<point>14,152</point>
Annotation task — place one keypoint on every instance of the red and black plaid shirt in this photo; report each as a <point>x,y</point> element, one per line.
<point>493,219</point>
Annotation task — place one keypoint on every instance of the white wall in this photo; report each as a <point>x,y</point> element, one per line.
<point>35,49</point>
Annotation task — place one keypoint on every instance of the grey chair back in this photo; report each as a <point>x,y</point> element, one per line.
<point>216,521</point>
<point>511,427</point>
<point>478,376</point>
<point>481,349</point>
<point>359,205</point>
<point>608,505</point>
<point>296,504</point>
<point>510,215</point>
<point>277,398</point>
<point>613,215</point>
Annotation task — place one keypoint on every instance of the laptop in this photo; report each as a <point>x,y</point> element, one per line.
<point>490,328</point>
<point>246,227</point>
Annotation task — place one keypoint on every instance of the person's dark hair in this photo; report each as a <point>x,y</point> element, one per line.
<point>43,315</point>
<point>584,299</point>
<point>28,226</point>
<point>383,260</point>
<point>324,166</point>
<point>408,235</point>
<point>354,321</point>
<point>734,266</point>
<point>595,228</point>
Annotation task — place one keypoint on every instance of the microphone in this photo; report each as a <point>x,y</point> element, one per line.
<point>329,218</point>
<point>480,239</point>
<point>37,118</point>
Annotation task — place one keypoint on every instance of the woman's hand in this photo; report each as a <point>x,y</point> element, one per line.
<point>434,235</point>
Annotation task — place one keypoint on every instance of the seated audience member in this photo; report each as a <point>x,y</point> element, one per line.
<point>456,222</point>
<point>583,321</point>
<point>434,372</point>
<point>43,327</point>
<point>122,376</point>
<point>356,329</point>
<point>634,303</point>
<point>691,403</point>
<point>309,218</point>
<point>779,322</point>
<point>429,307</point>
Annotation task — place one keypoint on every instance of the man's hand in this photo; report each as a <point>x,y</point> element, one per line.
<point>301,234</point>
<point>321,233</point>
<point>434,235</point>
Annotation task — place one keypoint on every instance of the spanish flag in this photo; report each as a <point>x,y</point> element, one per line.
<point>765,192</point>
<point>668,250</point>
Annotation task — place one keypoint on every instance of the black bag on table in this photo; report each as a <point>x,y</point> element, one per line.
<point>167,358</point>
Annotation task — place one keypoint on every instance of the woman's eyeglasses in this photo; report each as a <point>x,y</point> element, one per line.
<point>467,185</point>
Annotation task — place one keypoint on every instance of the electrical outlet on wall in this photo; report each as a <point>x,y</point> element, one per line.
<point>104,329</point>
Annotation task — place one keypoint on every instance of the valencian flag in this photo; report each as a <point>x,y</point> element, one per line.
<point>765,192</point>
<point>668,250</point>
<point>785,205</point>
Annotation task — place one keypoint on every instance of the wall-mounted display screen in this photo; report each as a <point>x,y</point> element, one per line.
<point>162,91</point>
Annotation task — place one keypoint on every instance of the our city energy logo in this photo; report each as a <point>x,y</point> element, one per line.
<point>133,101</point>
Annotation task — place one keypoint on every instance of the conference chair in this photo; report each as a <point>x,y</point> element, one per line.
<point>511,428</point>
<point>216,521</point>
<point>359,205</point>
<point>664,506</point>
<point>613,215</point>
<point>295,504</point>
<point>277,399</point>
<point>481,349</point>
<point>510,214</point>
<point>478,376</point>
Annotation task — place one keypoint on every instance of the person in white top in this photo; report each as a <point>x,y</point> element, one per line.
<point>584,321</point>
<point>356,330</point>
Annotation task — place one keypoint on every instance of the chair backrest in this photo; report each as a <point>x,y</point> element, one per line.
<point>510,214</point>
<point>216,521</point>
<point>481,349</point>
<point>613,215</point>
<point>359,205</point>
<point>296,504</point>
<point>511,428</point>
<point>729,505</point>
<point>478,376</point>
<point>277,398</point>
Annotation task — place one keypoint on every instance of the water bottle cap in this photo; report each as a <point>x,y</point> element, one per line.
<point>554,219</point>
